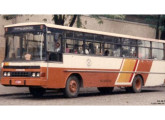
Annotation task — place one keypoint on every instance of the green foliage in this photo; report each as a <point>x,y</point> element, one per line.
<point>153,20</point>
<point>79,22</point>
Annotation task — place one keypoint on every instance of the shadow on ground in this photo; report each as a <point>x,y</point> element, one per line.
<point>55,95</point>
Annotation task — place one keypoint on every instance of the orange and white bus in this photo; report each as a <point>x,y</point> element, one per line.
<point>46,56</point>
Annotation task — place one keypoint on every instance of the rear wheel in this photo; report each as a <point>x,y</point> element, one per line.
<point>105,90</point>
<point>37,91</point>
<point>72,87</point>
<point>136,85</point>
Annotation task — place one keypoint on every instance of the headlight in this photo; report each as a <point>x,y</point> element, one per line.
<point>5,74</point>
<point>38,74</point>
<point>33,74</point>
<point>8,74</point>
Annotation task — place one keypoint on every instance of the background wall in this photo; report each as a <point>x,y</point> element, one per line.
<point>114,26</point>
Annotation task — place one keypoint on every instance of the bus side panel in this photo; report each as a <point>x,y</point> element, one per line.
<point>156,79</point>
<point>58,77</point>
<point>92,79</point>
<point>144,66</point>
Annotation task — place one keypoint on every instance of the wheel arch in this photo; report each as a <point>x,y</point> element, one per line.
<point>141,78</point>
<point>78,76</point>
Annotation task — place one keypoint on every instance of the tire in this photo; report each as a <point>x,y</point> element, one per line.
<point>136,85</point>
<point>37,92</point>
<point>105,90</point>
<point>72,87</point>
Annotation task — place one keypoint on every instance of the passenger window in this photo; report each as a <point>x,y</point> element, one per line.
<point>144,53</point>
<point>73,46</point>
<point>108,49</point>
<point>143,43</point>
<point>158,54</point>
<point>50,42</point>
<point>157,45</point>
<point>117,50</point>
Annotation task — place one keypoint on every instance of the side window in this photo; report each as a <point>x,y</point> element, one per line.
<point>54,46</point>
<point>50,43</point>
<point>112,46</point>
<point>93,44</point>
<point>157,51</point>
<point>73,42</point>
<point>90,48</point>
<point>117,50</point>
<point>108,49</point>
<point>58,42</point>
<point>129,47</point>
<point>144,51</point>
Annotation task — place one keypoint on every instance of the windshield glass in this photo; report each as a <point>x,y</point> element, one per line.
<point>26,46</point>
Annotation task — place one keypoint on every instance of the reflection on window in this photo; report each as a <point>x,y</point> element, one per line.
<point>143,43</point>
<point>126,41</point>
<point>157,45</point>
<point>144,53</point>
<point>125,51</point>
<point>158,54</point>
<point>50,43</point>
<point>13,47</point>
<point>128,51</point>
<point>32,46</point>
<point>117,49</point>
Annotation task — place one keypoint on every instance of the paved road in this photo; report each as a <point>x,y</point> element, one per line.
<point>88,96</point>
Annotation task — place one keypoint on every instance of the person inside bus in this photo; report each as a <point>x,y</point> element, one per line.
<point>75,49</point>
<point>67,49</point>
<point>91,48</point>
<point>106,53</point>
<point>55,56</point>
<point>57,47</point>
<point>86,50</point>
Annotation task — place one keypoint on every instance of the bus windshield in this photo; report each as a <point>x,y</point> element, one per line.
<point>26,46</point>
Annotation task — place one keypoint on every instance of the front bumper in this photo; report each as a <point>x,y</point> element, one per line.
<point>23,82</point>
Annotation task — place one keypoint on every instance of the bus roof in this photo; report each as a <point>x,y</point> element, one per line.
<point>84,30</point>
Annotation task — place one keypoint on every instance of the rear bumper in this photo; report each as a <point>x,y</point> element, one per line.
<point>23,82</point>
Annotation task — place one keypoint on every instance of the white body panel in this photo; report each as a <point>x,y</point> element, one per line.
<point>156,79</point>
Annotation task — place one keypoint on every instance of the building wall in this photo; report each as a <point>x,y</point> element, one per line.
<point>3,22</point>
<point>114,26</point>
<point>121,27</point>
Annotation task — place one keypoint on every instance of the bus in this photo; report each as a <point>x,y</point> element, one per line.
<point>44,56</point>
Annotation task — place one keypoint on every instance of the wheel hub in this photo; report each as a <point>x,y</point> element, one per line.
<point>73,86</point>
<point>138,84</point>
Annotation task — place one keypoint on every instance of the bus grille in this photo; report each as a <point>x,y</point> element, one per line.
<point>21,74</point>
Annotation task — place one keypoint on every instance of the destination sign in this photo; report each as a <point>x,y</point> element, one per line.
<point>24,29</point>
<point>27,28</point>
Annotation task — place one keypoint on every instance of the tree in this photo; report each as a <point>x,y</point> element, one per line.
<point>9,17</point>
<point>158,22</point>
<point>71,19</point>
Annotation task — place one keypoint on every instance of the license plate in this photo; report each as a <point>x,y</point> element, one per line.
<point>18,82</point>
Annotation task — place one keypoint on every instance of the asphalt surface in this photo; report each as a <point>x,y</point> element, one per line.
<point>88,96</point>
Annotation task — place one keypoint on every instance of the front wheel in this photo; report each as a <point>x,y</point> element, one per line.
<point>72,87</point>
<point>37,92</point>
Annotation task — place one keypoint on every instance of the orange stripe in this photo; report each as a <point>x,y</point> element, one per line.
<point>128,65</point>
